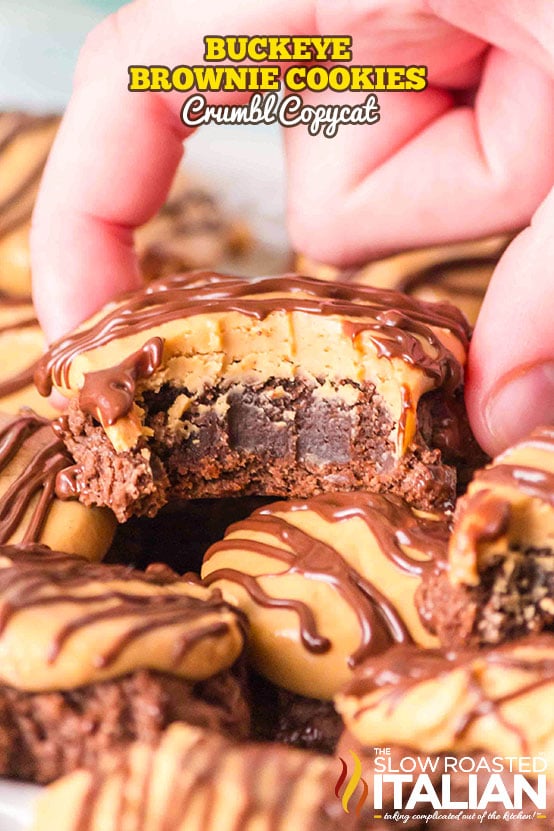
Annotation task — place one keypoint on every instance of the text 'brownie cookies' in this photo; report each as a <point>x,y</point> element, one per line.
<point>31,456</point>
<point>196,781</point>
<point>326,582</point>
<point>94,656</point>
<point>206,385</point>
<point>499,583</point>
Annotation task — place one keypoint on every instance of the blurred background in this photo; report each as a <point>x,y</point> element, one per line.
<point>243,166</point>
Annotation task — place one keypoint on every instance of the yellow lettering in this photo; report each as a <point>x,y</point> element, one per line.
<point>182,78</point>
<point>416,78</point>
<point>295,78</point>
<point>395,77</point>
<point>214,48</point>
<point>139,78</point>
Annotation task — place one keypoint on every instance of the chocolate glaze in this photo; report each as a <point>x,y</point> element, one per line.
<point>389,520</point>
<point>404,667</point>
<point>108,394</point>
<point>38,477</point>
<point>530,480</point>
<point>24,585</point>
<point>16,208</point>
<point>394,322</point>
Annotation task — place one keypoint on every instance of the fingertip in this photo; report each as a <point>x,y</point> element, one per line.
<point>521,400</point>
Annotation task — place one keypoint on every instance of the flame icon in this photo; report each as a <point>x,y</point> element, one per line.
<point>352,784</point>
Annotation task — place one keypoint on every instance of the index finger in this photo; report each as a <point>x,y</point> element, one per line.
<point>116,152</point>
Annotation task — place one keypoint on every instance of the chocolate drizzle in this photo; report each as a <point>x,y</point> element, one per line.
<point>38,477</point>
<point>199,769</point>
<point>394,323</point>
<point>395,528</point>
<point>404,668</point>
<point>108,394</point>
<point>47,582</point>
<point>530,480</point>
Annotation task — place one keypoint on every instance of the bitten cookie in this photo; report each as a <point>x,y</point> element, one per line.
<point>31,456</point>
<point>458,273</point>
<point>206,385</point>
<point>499,583</point>
<point>197,781</point>
<point>95,656</point>
<point>326,582</point>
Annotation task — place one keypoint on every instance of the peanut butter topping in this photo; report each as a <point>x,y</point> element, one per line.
<point>326,582</point>
<point>508,506</point>
<point>197,781</point>
<point>31,457</point>
<point>497,700</point>
<point>21,345</point>
<point>65,623</point>
<point>25,142</point>
<point>222,330</point>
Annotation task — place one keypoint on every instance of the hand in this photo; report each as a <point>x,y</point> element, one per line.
<point>431,171</point>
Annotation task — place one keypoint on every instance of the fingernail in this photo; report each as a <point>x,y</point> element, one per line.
<point>523,401</point>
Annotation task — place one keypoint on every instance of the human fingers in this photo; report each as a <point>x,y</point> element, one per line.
<point>116,152</point>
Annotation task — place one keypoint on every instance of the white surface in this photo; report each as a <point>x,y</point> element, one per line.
<point>16,801</point>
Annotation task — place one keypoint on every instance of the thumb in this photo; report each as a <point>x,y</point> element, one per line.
<point>510,387</point>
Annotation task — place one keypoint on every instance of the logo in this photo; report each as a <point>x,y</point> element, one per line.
<point>503,788</point>
<point>353,782</point>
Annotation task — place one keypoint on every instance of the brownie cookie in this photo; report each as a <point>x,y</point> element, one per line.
<point>204,385</point>
<point>21,345</point>
<point>497,700</point>
<point>197,781</point>
<point>25,142</point>
<point>326,582</point>
<point>458,273</point>
<point>31,456</point>
<point>499,583</point>
<point>95,656</point>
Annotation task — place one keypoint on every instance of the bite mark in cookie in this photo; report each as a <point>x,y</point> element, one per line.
<point>276,386</point>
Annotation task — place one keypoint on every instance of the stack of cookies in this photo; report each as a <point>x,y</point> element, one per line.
<point>261,543</point>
